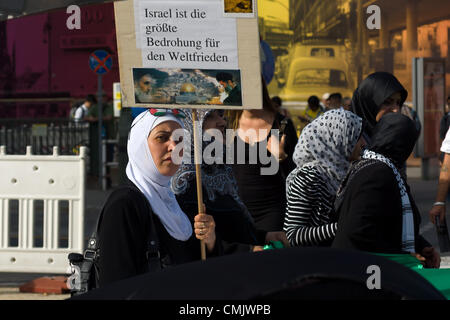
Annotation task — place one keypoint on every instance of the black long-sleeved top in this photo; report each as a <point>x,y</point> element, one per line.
<point>123,237</point>
<point>233,221</point>
<point>265,195</point>
<point>370,212</point>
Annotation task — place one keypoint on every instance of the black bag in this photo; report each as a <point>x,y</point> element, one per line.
<point>84,266</point>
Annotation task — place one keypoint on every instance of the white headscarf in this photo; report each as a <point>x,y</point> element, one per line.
<point>142,171</point>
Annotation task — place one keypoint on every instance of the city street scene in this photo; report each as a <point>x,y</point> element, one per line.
<point>349,98</point>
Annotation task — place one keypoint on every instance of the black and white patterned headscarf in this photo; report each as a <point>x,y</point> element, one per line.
<point>407,214</point>
<point>327,143</point>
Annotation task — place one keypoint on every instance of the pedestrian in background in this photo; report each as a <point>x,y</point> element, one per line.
<point>82,111</point>
<point>439,206</point>
<point>379,94</point>
<point>443,127</point>
<point>312,111</point>
<point>334,101</point>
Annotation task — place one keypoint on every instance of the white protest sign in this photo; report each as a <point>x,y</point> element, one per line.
<point>180,35</point>
<point>190,54</point>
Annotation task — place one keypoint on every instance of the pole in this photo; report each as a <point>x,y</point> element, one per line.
<point>198,175</point>
<point>100,123</point>
<point>359,17</point>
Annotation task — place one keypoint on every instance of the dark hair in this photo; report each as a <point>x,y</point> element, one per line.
<point>267,102</point>
<point>224,76</point>
<point>139,73</point>
<point>91,98</point>
<point>277,100</point>
<point>335,95</point>
<point>314,101</point>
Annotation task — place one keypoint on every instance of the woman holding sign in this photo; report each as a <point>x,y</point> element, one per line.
<point>145,211</point>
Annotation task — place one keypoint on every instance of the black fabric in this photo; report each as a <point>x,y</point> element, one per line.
<point>368,202</point>
<point>306,273</point>
<point>265,195</point>
<point>444,125</point>
<point>233,223</point>
<point>371,93</point>
<point>394,137</point>
<point>234,97</point>
<point>123,235</point>
<point>370,211</point>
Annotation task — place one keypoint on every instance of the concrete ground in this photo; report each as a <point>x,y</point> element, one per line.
<point>424,192</point>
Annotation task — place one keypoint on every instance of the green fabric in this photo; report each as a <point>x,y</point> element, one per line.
<point>274,245</point>
<point>439,278</point>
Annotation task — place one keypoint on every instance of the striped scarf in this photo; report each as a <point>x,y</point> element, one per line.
<point>407,214</point>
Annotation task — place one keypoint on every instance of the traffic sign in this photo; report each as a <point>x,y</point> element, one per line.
<point>100,61</point>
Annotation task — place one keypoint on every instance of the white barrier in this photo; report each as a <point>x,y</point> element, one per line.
<point>37,194</point>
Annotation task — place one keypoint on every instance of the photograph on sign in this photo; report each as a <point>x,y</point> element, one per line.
<point>185,45</point>
<point>239,8</point>
<point>187,86</point>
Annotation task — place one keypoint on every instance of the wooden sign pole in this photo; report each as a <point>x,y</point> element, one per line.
<point>198,175</point>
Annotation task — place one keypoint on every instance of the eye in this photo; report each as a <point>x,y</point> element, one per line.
<point>162,138</point>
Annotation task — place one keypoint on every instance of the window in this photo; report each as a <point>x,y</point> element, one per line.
<point>320,77</point>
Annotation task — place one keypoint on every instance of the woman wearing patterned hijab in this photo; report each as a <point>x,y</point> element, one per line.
<point>322,155</point>
<point>146,210</point>
<point>234,224</point>
<point>376,210</point>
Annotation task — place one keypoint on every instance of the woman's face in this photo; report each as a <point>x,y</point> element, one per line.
<point>391,104</point>
<point>214,121</point>
<point>357,151</point>
<point>161,145</point>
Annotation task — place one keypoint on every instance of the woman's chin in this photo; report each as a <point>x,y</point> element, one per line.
<point>168,169</point>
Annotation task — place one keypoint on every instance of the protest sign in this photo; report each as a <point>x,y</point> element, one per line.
<point>189,54</point>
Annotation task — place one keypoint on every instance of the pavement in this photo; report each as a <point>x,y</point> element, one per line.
<point>424,192</point>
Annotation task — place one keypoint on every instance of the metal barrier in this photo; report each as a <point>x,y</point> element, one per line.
<point>43,134</point>
<point>108,164</point>
<point>42,200</point>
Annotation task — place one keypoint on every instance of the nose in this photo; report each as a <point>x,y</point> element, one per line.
<point>171,145</point>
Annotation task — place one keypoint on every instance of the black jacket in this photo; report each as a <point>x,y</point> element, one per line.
<point>368,203</point>
<point>123,237</point>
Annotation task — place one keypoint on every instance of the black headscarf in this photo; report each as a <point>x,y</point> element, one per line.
<point>394,137</point>
<point>371,93</point>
